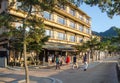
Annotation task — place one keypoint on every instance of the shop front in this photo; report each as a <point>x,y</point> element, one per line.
<point>54,49</point>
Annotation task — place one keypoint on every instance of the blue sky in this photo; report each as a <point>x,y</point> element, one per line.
<point>100,21</point>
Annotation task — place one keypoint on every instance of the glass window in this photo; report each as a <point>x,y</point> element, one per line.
<point>49,33</point>
<point>18,25</point>
<point>60,20</point>
<point>72,12</point>
<point>87,30</point>
<point>81,28</point>
<point>47,15</point>
<point>72,38</point>
<point>80,17</point>
<point>61,6</point>
<point>61,36</point>
<point>87,20</point>
<point>72,24</point>
<point>80,40</point>
<point>18,4</point>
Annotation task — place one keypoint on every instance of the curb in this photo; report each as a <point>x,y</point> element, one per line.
<point>50,78</point>
<point>16,69</point>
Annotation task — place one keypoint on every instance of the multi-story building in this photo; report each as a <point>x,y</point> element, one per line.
<point>66,25</point>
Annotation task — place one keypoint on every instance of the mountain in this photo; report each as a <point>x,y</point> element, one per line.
<point>108,33</point>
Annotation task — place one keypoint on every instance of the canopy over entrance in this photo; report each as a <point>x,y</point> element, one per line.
<point>62,47</point>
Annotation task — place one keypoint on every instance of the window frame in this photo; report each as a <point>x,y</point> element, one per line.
<point>80,39</point>
<point>47,15</point>
<point>50,33</point>
<point>81,28</point>
<point>72,38</point>
<point>61,20</point>
<point>72,12</point>
<point>61,36</point>
<point>72,24</point>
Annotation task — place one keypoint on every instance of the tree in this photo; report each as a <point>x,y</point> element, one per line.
<point>31,25</point>
<point>81,48</point>
<point>30,9</point>
<point>115,41</point>
<point>92,44</point>
<point>111,7</point>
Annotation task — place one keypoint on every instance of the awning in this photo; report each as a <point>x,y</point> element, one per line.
<point>62,47</point>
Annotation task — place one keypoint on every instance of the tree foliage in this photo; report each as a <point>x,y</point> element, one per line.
<point>29,30</point>
<point>111,7</point>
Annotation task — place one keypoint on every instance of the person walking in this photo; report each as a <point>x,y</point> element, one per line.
<point>85,62</point>
<point>75,62</point>
<point>50,59</point>
<point>57,62</point>
<point>68,59</point>
<point>60,60</point>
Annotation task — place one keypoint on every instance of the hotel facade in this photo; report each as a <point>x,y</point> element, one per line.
<point>66,25</point>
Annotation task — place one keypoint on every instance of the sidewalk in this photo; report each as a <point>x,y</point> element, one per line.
<point>49,79</point>
<point>4,71</point>
<point>46,79</point>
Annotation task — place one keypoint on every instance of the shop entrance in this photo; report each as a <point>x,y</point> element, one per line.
<point>3,58</point>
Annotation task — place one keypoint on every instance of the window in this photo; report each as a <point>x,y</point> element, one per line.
<point>60,20</point>
<point>72,38</point>
<point>49,33</point>
<point>87,20</point>
<point>61,6</point>
<point>81,28</point>
<point>18,4</point>
<point>87,30</point>
<point>80,40</point>
<point>18,25</point>
<point>72,24</point>
<point>72,12</point>
<point>61,36</point>
<point>80,17</point>
<point>47,15</point>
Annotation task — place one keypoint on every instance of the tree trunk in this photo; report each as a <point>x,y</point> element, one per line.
<point>33,60</point>
<point>99,56</point>
<point>25,62</point>
<point>25,57</point>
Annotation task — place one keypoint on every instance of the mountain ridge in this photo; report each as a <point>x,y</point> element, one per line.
<point>108,33</point>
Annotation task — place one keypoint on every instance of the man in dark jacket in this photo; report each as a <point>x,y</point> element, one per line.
<point>75,62</point>
<point>85,62</point>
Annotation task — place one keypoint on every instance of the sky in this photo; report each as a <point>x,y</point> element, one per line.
<point>100,22</point>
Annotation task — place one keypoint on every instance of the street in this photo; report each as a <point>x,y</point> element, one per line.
<point>97,72</point>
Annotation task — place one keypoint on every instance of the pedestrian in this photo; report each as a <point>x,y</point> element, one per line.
<point>53,58</point>
<point>50,59</point>
<point>57,62</point>
<point>75,62</point>
<point>85,62</point>
<point>68,59</point>
<point>60,60</point>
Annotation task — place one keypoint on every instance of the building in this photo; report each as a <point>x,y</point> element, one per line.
<point>67,26</point>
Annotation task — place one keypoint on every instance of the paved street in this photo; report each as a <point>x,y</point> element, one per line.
<point>104,72</point>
